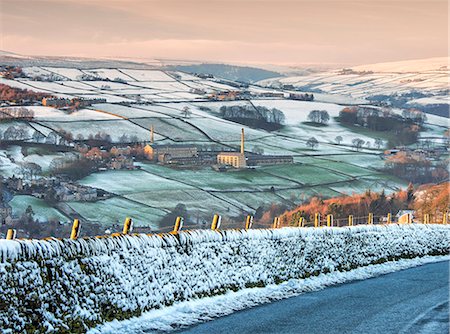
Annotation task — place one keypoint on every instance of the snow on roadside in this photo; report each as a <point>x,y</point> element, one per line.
<point>188,313</point>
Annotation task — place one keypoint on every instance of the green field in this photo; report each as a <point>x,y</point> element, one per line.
<point>154,190</point>
<point>42,211</point>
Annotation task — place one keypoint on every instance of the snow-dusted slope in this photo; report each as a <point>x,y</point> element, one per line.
<point>65,285</point>
<point>428,76</point>
<point>415,65</point>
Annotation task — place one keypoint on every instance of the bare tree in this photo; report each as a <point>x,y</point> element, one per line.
<point>312,142</point>
<point>338,140</point>
<point>38,137</point>
<point>379,142</point>
<point>358,143</point>
<point>186,112</point>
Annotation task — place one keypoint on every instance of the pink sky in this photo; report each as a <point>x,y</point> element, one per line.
<point>246,31</point>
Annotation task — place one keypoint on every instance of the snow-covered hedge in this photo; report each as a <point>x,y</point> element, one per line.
<point>69,286</point>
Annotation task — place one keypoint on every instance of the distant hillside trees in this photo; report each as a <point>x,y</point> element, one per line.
<point>15,133</point>
<point>12,72</point>
<point>257,117</point>
<point>16,113</point>
<point>416,168</point>
<point>29,170</point>
<point>12,94</point>
<point>319,117</point>
<point>406,127</point>
<point>427,199</point>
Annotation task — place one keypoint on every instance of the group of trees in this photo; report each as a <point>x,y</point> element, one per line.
<point>254,116</point>
<point>28,170</point>
<point>416,168</point>
<point>358,205</point>
<point>12,94</point>
<point>15,133</point>
<point>431,199</point>
<point>319,116</point>
<point>12,72</point>
<point>406,127</point>
<point>20,113</point>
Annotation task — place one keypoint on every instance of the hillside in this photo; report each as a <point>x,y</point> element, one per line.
<point>229,72</point>
<point>138,98</point>
<point>422,83</point>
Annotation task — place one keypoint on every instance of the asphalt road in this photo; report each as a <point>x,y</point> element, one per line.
<point>409,301</point>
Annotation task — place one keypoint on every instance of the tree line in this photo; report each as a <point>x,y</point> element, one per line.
<point>254,116</point>
<point>406,127</point>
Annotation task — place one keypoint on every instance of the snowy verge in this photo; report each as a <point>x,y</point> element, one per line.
<point>189,313</point>
<point>69,286</point>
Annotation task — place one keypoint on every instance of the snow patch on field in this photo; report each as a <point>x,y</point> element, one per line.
<point>192,312</point>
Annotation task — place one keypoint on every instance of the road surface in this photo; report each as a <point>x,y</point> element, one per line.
<point>409,301</point>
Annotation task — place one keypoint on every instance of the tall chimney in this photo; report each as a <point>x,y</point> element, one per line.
<point>152,136</point>
<point>242,141</point>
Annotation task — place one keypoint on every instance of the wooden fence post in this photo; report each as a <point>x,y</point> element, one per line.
<point>330,220</point>
<point>215,225</point>
<point>178,225</point>
<point>276,222</point>
<point>75,229</point>
<point>445,218</point>
<point>389,218</point>
<point>426,218</point>
<point>350,220</point>
<point>128,226</point>
<point>317,220</point>
<point>301,222</point>
<point>11,234</point>
<point>248,222</point>
<point>370,219</point>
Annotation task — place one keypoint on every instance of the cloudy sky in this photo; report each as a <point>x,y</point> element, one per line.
<point>242,31</point>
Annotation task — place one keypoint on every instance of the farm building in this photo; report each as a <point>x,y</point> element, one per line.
<point>163,153</point>
<point>260,160</point>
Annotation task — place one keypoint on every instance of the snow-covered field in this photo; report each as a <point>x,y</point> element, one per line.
<point>101,279</point>
<point>167,93</point>
<point>359,82</point>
